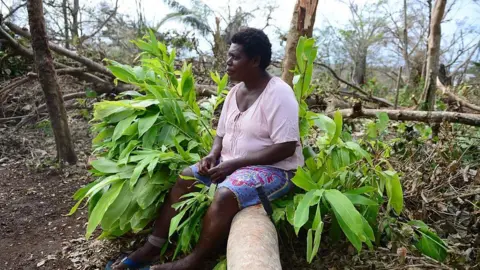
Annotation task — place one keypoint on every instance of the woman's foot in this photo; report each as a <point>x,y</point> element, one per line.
<point>142,256</point>
<point>186,263</point>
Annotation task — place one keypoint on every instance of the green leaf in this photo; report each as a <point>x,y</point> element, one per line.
<point>107,199</point>
<point>361,190</point>
<point>122,126</point>
<point>105,165</point>
<point>148,138</point>
<point>325,123</point>
<point>347,216</point>
<point>302,211</point>
<point>222,265</point>
<point>394,192</point>
<point>359,199</point>
<point>117,208</point>
<point>337,118</point>
<point>432,246</point>
<point>175,221</point>
<point>316,241</point>
<point>382,123</point>
<point>146,122</point>
<point>359,151</point>
<point>139,169</point>
<point>309,245</point>
<point>303,179</point>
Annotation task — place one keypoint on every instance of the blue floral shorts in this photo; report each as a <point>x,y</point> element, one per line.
<point>276,183</point>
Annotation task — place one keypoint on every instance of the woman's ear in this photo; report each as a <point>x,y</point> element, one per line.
<point>256,61</point>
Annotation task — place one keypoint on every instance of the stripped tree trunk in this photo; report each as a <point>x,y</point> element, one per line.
<point>406,58</point>
<point>65,22</point>
<point>50,87</point>
<point>253,242</point>
<point>301,25</point>
<point>433,55</point>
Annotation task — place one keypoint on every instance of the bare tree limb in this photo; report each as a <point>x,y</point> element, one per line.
<point>467,60</point>
<point>12,11</point>
<point>14,44</point>
<point>103,24</point>
<point>461,101</point>
<point>372,98</point>
<point>92,65</point>
<point>420,116</point>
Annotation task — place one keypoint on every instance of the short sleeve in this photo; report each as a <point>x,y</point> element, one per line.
<point>223,114</point>
<point>281,112</point>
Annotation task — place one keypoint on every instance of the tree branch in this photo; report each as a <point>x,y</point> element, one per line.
<point>92,65</point>
<point>420,116</point>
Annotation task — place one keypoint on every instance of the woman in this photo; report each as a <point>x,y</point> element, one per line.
<point>257,141</point>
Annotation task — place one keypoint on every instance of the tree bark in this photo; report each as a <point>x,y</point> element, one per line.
<point>65,22</point>
<point>433,55</point>
<point>50,87</point>
<point>424,67</point>
<point>302,23</point>
<point>398,87</point>
<point>360,70</point>
<point>74,28</point>
<point>406,58</point>
<point>253,242</point>
<point>420,116</point>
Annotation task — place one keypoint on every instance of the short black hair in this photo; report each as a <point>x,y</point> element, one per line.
<point>255,43</point>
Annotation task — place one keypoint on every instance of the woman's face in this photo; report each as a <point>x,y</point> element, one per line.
<point>239,65</point>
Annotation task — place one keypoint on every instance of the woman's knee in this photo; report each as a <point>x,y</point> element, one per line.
<point>225,201</point>
<point>184,184</point>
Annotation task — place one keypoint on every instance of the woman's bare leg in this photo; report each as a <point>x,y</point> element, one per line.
<point>148,252</point>
<point>215,229</point>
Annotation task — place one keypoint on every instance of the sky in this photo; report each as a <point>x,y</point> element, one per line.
<point>333,12</point>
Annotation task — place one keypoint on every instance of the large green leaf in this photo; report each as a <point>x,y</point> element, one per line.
<point>107,199</point>
<point>432,246</point>
<point>122,126</point>
<point>359,199</point>
<point>337,118</point>
<point>117,208</point>
<point>348,217</point>
<point>146,122</point>
<point>303,209</point>
<point>394,191</point>
<point>325,123</point>
<point>303,179</point>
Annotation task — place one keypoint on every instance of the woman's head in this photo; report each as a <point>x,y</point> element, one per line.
<point>250,52</point>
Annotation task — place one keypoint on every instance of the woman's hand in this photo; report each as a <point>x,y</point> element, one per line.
<point>222,170</point>
<point>206,164</point>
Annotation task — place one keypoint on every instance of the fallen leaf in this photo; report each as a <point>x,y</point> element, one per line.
<point>40,263</point>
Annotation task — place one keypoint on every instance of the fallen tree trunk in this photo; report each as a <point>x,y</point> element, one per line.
<point>90,64</point>
<point>421,116</point>
<point>446,91</point>
<point>253,242</point>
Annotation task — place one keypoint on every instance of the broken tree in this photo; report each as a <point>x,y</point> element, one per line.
<point>433,55</point>
<point>48,80</point>
<point>302,25</point>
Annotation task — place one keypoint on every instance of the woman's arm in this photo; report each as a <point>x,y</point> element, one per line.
<point>268,156</point>
<point>216,147</point>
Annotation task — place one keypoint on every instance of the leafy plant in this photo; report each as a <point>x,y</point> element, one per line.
<point>143,141</point>
<point>341,180</point>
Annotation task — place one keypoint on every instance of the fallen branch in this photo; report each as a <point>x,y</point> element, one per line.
<point>420,116</point>
<point>90,64</point>
<point>12,86</point>
<point>372,98</point>
<point>461,101</point>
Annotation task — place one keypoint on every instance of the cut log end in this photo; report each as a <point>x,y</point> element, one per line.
<point>253,241</point>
